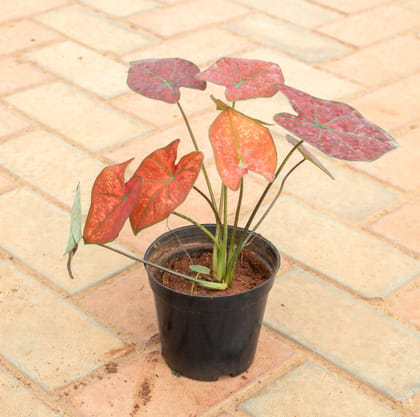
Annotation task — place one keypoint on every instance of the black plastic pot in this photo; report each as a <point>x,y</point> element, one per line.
<point>206,337</point>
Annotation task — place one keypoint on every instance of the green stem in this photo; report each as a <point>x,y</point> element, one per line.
<point>222,250</point>
<point>245,234</point>
<point>200,226</point>
<point>268,187</point>
<point>283,182</point>
<point>206,284</point>
<point>216,214</point>
<point>229,272</point>
<point>194,141</point>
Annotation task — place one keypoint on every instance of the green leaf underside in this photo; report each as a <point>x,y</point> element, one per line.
<point>334,128</point>
<point>165,186</point>
<point>200,269</point>
<point>308,155</point>
<point>75,223</point>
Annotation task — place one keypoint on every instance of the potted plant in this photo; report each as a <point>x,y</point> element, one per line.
<point>206,329</point>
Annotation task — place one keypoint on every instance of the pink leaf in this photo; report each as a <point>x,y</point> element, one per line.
<point>161,79</point>
<point>336,129</point>
<point>112,202</point>
<point>244,78</point>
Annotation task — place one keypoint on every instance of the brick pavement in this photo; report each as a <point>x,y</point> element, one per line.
<point>340,336</point>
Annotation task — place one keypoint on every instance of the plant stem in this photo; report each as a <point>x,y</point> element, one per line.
<point>222,250</point>
<point>283,182</point>
<point>207,284</point>
<point>196,147</point>
<point>216,214</point>
<point>232,244</point>
<point>268,187</point>
<point>245,235</point>
<point>200,226</point>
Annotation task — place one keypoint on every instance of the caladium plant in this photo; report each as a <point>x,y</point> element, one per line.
<point>240,144</point>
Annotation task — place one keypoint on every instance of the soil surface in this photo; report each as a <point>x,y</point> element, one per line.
<point>249,273</point>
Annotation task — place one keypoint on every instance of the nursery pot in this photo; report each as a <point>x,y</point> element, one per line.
<point>205,337</point>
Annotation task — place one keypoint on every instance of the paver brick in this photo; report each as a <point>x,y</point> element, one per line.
<point>12,122</point>
<point>13,9</point>
<point>351,196</point>
<point>121,8</point>
<point>77,23</point>
<point>83,67</point>
<point>397,167</point>
<point>293,40</point>
<point>143,146</point>
<point>147,387</point>
<point>6,183</point>
<point>346,332</point>
<point>85,44</point>
<point>36,232</point>
<point>407,306</point>
<point>22,34</point>
<point>411,5</point>
<point>312,391</point>
<point>303,76</point>
<point>34,321</point>
<point>185,17</point>
<point>56,169</point>
<point>16,74</point>
<point>355,259</point>
<point>298,12</point>
<point>18,401</point>
<point>392,106</point>
<point>77,116</point>
<point>351,6</point>
<point>401,226</point>
<point>127,305</point>
<point>199,46</point>
<point>372,25</point>
<point>379,62</point>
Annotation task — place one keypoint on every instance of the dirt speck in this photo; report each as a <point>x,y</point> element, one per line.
<point>111,367</point>
<point>145,392</point>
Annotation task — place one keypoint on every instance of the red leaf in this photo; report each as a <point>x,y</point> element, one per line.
<point>161,79</point>
<point>112,203</point>
<point>241,144</point>
<point>336,129</point>
<point>244,78</point>
<point>165,185</point>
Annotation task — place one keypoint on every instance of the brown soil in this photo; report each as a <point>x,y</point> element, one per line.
<point>249,273</point>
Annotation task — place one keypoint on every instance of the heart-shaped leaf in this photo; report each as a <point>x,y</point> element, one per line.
<point>113,200</point>
<point>161,79</point>
<point>241,144</point>
<point>336,129</point>
<point>308,155</point>
<point>244,78</point>
<point>165,185</point>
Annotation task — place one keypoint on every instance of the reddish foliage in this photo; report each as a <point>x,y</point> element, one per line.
<point>165,185</point>
<point>161,79</point>
<point>112,202</point>
<point>244,78</point>
<point>336,129</point>
<point>241,144</point>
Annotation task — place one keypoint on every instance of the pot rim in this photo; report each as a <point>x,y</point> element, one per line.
<point>269,281</point>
